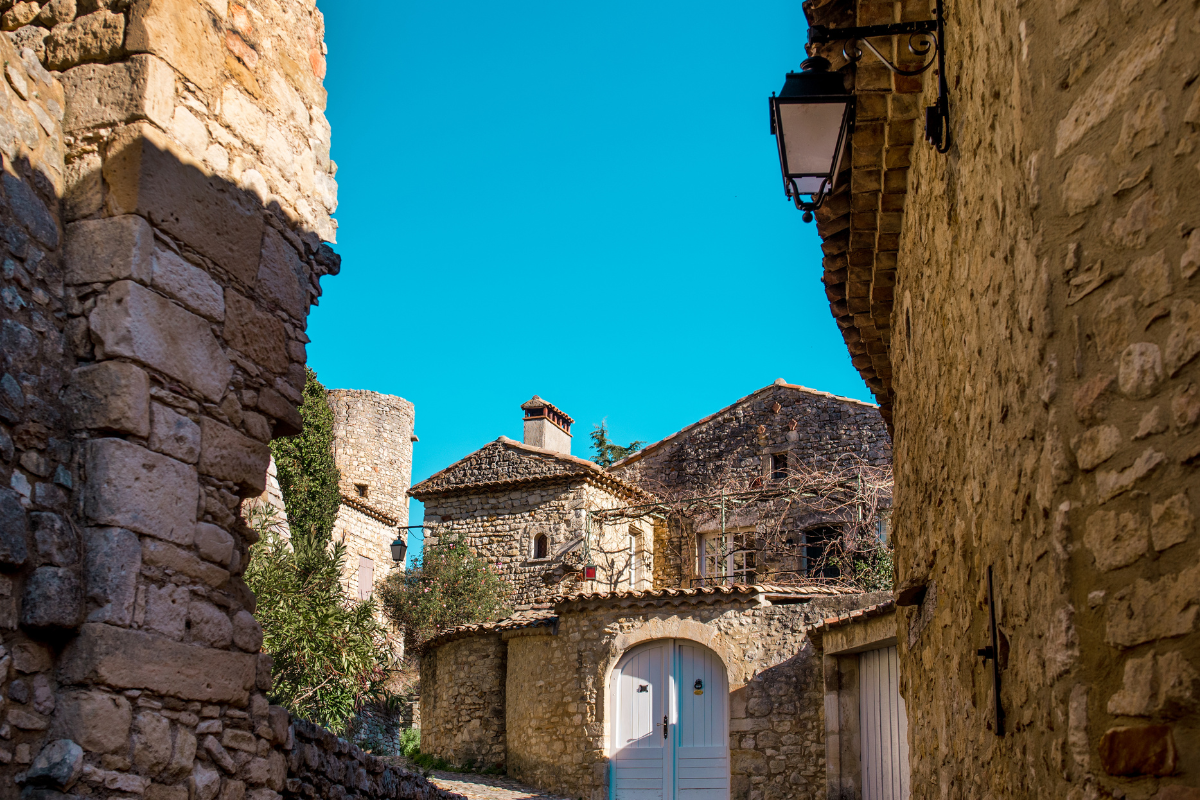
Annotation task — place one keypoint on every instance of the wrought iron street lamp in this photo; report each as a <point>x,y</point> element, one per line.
<point>813,116</point>
<point>400,546</point>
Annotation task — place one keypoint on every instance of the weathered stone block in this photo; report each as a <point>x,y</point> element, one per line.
<point>230,456</point>
<point>157,791</point>
<point>135,488</point>
<point>1141,750</point>
<point>187,283</point>
<point>58,765</point>
<point>99,722</point>
<point>209,624</point>
<point>111,249</point>
<point>53,598</point>
<point>206,782</point>
<point>55,538</point>
<point>151,742</point>
<point>247,633</point>
<point>254,333</point>
<point>30,210</point>
<point>168,556</point>
<point>287,416</point>
<point>14,529</point>
<point>111,573</point>
<point>184,34</point>
<point>166,609</point>
<point>281,275</point>
<point>214,543</point>
<point>92,37</point>
<point>173,434</point>
<point>145,176</point>
<point>111,395</point>
<point>134,322</point>
<point>129,659</point>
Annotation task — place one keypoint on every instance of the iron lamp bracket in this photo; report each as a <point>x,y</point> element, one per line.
<point>926,41</point>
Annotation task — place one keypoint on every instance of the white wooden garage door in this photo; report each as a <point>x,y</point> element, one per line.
<point>670,733</point>
<point>883,726</point>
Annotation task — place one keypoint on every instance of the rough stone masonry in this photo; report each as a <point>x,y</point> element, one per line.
<point>1025,308</point>
<point>166,197</point>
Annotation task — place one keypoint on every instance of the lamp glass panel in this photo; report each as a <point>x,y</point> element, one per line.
<point>810,136</point>
<point>809,185</point>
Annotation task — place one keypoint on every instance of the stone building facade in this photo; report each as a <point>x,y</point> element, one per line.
<point>531,692</point>
<point>525,509</point>
<point>1041,275</point>
<point>167,192</point>
<point>760,438</point>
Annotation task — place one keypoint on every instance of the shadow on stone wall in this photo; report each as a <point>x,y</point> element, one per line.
<point>151,345</point>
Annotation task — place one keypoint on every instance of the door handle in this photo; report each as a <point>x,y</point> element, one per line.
<point>664,726</point>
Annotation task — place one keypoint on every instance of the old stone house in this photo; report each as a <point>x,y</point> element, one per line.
<point>1024,307</point>
<point>683,672</point>
<point>527,508</point>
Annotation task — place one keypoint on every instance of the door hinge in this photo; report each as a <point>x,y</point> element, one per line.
<point>664,726</point>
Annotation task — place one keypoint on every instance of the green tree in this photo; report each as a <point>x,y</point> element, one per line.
<point>449,586</point>
<point>332,656</point>
<point>607,452</point>
<point>308,476</point>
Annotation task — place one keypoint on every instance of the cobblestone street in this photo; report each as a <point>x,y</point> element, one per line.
<point>488,787</point>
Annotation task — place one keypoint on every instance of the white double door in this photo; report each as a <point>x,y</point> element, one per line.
<point>670,731</point>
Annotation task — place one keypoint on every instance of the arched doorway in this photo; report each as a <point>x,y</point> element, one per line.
<point>669,729</point>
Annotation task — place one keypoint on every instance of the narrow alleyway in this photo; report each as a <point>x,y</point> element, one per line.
<point>488,787</point>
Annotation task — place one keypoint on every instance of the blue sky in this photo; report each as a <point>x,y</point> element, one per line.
<point>580,201</point>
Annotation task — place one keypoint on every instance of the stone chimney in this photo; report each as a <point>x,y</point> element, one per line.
<point>546,426</point>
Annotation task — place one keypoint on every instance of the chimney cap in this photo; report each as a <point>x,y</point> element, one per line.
<point>536,402</point>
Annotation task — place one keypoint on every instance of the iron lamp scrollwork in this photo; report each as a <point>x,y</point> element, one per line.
<point>813,116</point>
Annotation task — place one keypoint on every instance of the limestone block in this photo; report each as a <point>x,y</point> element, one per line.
<point>173,434</point>
<point>244,116</point>
<point>183,33</point>
<point>111,573</point>
<point>55,539</point>
<point>182,757</point>
<point>1116,541</point>
<point>281,275</point>
<point>129,659</point>
<point>166,609</point>
<point>58,765</point>
<point>30,210</point>
<point>1171,522</point>
<point>53,598</point>
<point>94,37</point>
<point>145,176</point>
<point>233,790</point>
<point>112,249</point>
<point>19,15</point>
<point>168,556</point>
<point>256,334</point>
<point>284,411</point>
<point>56,12</point>
<point>247,633</point>
<point>175,277</point>
<point>135,488</point>
<point>205,782</point>
<point>1096,445</point>
<point>214,543</point>
<point>134,322</point>
<point>219,755</point>
<point>99,722</point>
<point>157,791</point>
<point>1154,610</point>
<point>151,742</point>
<point>230,456</point>
<point>14,527</point>
<point>209,624</point>
<point>1141,370</point>
<point>1138,750</point>
<point>140,87</point>
<point>111,395</point>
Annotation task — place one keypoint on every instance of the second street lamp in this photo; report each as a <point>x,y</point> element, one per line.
<point>811,118</point>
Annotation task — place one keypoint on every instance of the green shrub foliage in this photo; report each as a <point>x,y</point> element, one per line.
<point>308,476</point>
<point>447,587</point>
<point>332,655</point>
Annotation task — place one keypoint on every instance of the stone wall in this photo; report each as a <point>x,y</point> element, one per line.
<point>1045,288</point>
<point>501,527</point>
<point>161,251</point>
<point>735,446</point>
<point>462,700</point>
<point>556,677</point>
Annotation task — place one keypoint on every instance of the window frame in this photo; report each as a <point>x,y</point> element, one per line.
<point>737,562</point>
<point>541,538</point>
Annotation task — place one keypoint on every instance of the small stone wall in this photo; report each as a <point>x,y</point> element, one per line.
<point>321,765</point>
<point>462,700</point>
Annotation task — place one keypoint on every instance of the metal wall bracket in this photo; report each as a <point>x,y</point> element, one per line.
<point>924,37</point>
<point>992,653</point>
